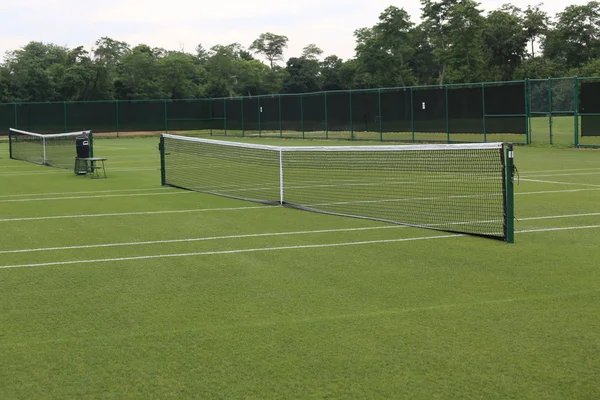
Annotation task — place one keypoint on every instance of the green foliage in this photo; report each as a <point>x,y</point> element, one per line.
<point>271,46</point>
<point>454,42</point>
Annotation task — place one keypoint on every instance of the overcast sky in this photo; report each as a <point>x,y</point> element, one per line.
<point>182,24</point>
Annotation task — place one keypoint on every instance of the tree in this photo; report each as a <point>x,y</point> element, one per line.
<point>139,74</point>
<point>455,30</point>
<point>330,72</point>
<point>536,24</point>
<point>311,52</point>
<point>575,39</point>
<point>107,55</point>
<point>505,40</point>
<point>271,46</point>
<point>302,76</point>
<point>181,75</point>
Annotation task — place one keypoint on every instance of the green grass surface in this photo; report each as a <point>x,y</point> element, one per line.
<point>435,318</point>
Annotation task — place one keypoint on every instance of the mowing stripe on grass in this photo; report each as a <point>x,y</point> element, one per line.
<point>253,235</point>
<point>96,197</point>
<point>206,253</point>
<point>90,191</point>
<point>261,249</point>
<point>135,213</point>
<point>250,235</point>
<point>56,171</point>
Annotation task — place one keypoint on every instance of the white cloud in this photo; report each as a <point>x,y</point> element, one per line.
<point>176,24</point>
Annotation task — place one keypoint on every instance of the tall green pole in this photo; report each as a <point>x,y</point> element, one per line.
<point>302,113</point>
<point>16,117</point>
<point>326,119</point>
<point>242,107</point>
<point>225,116</point>
<point>527,112</point>
<point>65,116</point>
<point>484,118</point>
<point>117,116</point>
<point>166,117</point>
<point>576,109</point>
<point>549,86</point>
<point>412,114</point>
<point>510,195</point>
<point>351,119</point>
<point>380,119</point>
<point>259,110</point>
<point>210,104</point>
<point>447,116</point>
<point>280,116</point>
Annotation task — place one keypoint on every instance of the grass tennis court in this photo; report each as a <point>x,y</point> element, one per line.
<point>120,288</point>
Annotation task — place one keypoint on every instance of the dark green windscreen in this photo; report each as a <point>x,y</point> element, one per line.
<point>365,111</point>
<point>429,108</point>
<point>589,103</point>
<point>465,110</point>
<point>314,112</point>
<point>94,116</point>
<point>338,111</point>
<point>396,110</point>
<point>505,108</point>
<point>291,113</point>
<point>269,113</point>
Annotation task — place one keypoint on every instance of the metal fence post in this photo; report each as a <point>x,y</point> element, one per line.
<point>484,117</point>
<point>380,119</point>
<point>576,109</point>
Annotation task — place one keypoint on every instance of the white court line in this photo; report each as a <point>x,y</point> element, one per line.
<point>86,192</point>
<point>559,183</point>
<point>546,175</point>
<point>563,170</point>
<point>253,235</point>
<point>96,197</point>
<point>56,171</point>
<point>250,235</point>
<point>136,213</point>
<point>205,253</point>
<point>263,249</point>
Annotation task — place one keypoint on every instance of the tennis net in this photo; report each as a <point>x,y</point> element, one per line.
<point>56,150</point>
<point>459,188</point>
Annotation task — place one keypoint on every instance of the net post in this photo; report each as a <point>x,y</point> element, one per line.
<point>10,153</point>
<point>447,116</point>
<point>326,118</point>
<point>483,108</point>
<point>281,176</point>
<point>379,110</point>
<point>510,195</point>
<point>161,148</point>
<point>576,110</point>
<point>91,139</point>
<point>44,148</point>
<point>549,86</point>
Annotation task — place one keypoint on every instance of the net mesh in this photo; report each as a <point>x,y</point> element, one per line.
<point>56,150</point>
<point>456,188</point>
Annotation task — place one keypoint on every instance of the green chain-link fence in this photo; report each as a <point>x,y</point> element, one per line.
<point>556,111</point>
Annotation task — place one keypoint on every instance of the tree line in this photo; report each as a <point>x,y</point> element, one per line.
<point>455,42</point>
